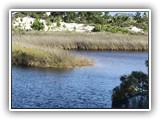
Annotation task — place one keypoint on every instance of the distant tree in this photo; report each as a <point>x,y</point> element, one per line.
<point>34,15</point>
<point>59,15</point>
<point>141,20</point>
<point>37,25</point>
<point>138,17</point>
<point>106,15</point>
<point>70,17</point>
<point>55,19</point>
<point>97,18</point>
<point>145,17</point>
<point>39,15</point>
<point>119,20</point>
<point>29,13</point>
<point>82,17</point>
<point>19,15</point>
<point>102,21</point>
<point>94,17</point>
<point>91,17</point>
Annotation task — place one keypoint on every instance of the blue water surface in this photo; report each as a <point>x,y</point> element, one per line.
<point>83,87</point>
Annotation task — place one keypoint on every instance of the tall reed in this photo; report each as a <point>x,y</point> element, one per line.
<point>49,49</point>
<point>46,58</point>
<point>83,41</point>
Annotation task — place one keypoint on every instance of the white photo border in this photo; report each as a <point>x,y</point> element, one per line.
<point>77,109</point>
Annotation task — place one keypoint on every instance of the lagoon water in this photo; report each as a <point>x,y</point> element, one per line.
<point>84,87</point>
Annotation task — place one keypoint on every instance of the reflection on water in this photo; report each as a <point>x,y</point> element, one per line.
<point>84,87</point>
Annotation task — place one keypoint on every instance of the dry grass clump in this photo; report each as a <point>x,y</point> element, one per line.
<point>83,41</point>
<point>53,58</point>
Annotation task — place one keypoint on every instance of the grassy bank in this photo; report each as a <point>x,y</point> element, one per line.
<point>49,58</point>
<point>83,41</point>
<point>49,49</point>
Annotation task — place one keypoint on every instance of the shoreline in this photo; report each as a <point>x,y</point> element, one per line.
<point>55,58</point>
<point>83,41</point>
<point>52,49</point>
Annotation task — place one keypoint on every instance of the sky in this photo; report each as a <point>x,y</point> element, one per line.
<point>113,13</point>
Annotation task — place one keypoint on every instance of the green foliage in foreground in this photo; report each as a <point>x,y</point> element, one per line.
<point>133,92</point>
<point>46,58</point>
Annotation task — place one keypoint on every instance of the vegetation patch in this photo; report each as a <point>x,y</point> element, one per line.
<point>103,21</point>
<point>83,41</point>
<point>133,92</point>
<point>53,58</point>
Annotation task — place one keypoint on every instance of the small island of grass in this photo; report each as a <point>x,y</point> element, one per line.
<point>53,58</point>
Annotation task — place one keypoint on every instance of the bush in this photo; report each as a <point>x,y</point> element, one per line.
<point>97,28</point>
<point>132,92</point>
<point>19,15</point>
<point>58,24</point>
<point>37,25</point>
<point>109,28</point>
<point>48,23</point>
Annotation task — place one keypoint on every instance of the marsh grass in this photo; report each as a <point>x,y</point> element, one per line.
<point>83,41</point>
<point>46,58</point>
<point>50,49</point>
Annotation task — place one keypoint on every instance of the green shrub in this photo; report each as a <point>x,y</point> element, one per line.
<point>133,85</point>
<point>19,15</point>
<point>109,28</point>
<point>48,23</point>
<point>37,25</point>
<point>58,24</point>
<point>97,28</point>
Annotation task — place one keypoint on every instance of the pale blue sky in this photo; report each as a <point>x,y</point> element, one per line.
<point>113,13</point>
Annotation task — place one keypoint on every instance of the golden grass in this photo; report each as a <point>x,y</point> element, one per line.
<point>83,41</point>
<point>49,49</point>
<point>53,58</point>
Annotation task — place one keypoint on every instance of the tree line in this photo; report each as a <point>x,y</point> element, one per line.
<point>102,21</point>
